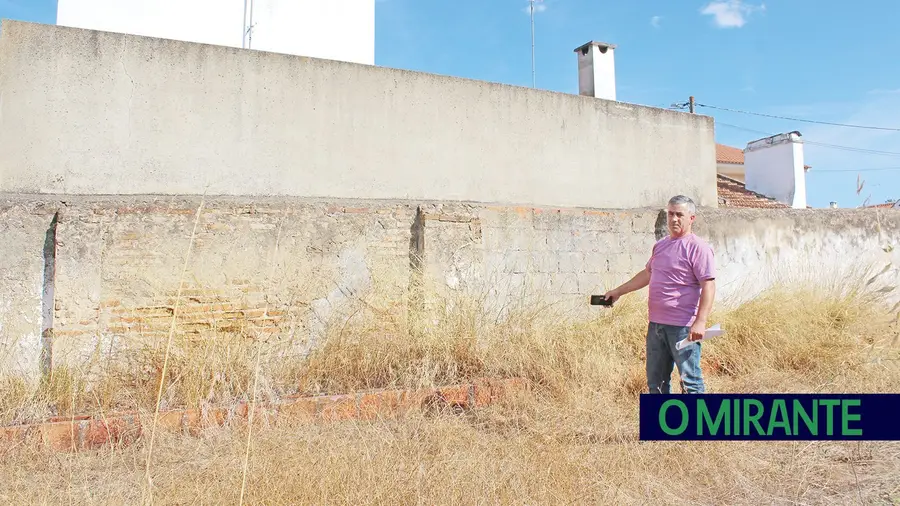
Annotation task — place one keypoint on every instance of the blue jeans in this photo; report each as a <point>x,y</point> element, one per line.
<point>662,356</point>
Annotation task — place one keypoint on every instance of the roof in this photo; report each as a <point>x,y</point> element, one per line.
<point>886,205</point>
<point>732,155</point>
<point>733,193</point>
<point>728,154</point>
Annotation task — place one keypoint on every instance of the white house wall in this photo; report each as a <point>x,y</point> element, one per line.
<point>337,29</point>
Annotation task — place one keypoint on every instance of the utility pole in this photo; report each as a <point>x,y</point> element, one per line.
<point>691,102</point>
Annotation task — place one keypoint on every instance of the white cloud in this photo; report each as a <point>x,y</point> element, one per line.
<point>654,21</point>
<point>730,13</point>
<point>539,6</point>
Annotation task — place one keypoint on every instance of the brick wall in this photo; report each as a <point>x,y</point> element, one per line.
<point>258,269</point>
<point>286,268</point>
<point>518,253</point>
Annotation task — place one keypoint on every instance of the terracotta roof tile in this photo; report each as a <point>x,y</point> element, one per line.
<point>733,193</point>
<point>728,154</point>
<point>886,205</point>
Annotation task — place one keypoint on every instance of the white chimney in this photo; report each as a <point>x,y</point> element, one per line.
<point>774,167</point>
<point>597,70</point>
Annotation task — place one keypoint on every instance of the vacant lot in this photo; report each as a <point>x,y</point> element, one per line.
<point>572,440</point>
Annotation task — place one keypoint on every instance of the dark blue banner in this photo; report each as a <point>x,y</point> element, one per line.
<point>770,417</point>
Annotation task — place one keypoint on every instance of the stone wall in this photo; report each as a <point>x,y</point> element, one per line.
<point>288,267</point>
<point>23,228</point>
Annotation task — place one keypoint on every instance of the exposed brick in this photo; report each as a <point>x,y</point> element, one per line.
<point>214,416</point>
<point>456,395</point>
<point>70,333</point>
<point>378,404</point>
<point>12,434</point>
<point>337,407</point>
<point>206,308</point>
<point>97,433</point>
<point>302,409</point>
<point>61,436</point>
<point>263,415</point>
<point>192,420</point>
<point>57,419</point>
<point>486,391</point>
<point>155,210</point>
<point>455,218</point>
<point>414,399</point>
<point>170,420</point>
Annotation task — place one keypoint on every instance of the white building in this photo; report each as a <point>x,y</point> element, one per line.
<point>771,168</point>
<point>774,166</point>
<point>341,30</point>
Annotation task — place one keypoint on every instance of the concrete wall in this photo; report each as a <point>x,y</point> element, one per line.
<point>87,112</point>
<point>288,267</point>
<point>341,30</point>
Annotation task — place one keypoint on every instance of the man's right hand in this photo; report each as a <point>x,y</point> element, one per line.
<point>612,296</point>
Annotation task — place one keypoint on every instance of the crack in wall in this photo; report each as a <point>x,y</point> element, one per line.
<point>48,297</point>
<point>417,264</point>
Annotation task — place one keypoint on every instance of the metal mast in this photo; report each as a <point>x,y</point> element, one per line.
<point>533,81</point>
<point>247,41</point>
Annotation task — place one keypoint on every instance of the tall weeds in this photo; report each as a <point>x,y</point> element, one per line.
<point>572,441</point>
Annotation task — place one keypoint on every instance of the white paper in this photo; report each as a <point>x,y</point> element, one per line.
<point>715,330</point>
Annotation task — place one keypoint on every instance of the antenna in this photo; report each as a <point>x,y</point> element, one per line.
<point>533,82</point>
<point>248,28</point>
<point>244,28</point>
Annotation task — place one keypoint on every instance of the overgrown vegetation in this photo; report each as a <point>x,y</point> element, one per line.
<point>572,441</point>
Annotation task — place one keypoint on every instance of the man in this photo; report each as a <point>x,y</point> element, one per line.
<point>681,274</point>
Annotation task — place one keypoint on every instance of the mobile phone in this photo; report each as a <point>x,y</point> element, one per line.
<point>600,300</point>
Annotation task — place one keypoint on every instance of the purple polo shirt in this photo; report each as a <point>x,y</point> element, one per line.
<point>677,266</point>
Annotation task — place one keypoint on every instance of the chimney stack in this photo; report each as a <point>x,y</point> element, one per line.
<point>774,166</point>
<point>597,70</point>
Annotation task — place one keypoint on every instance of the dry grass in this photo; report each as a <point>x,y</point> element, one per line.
<point>574,441</point>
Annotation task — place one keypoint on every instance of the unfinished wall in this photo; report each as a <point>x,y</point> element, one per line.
<point>571,253</point>
<point>23,229</point>
<point>86,112</point>
<point>285,268</point>
<point>261,269</point>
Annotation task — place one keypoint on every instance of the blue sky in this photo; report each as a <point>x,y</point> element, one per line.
<point>810,59</point>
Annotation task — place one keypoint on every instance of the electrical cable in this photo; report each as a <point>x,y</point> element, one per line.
<point>868,127</point>
<point>821,144</point>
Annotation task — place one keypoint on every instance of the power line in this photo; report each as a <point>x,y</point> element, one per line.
<point>821,144</point>
<point>879,169</point>
<point>868,127</point>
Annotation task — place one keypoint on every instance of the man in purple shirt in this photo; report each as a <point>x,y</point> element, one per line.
<point>681,274</point>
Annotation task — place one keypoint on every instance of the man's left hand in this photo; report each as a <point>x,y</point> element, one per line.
<point>697,330</point>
